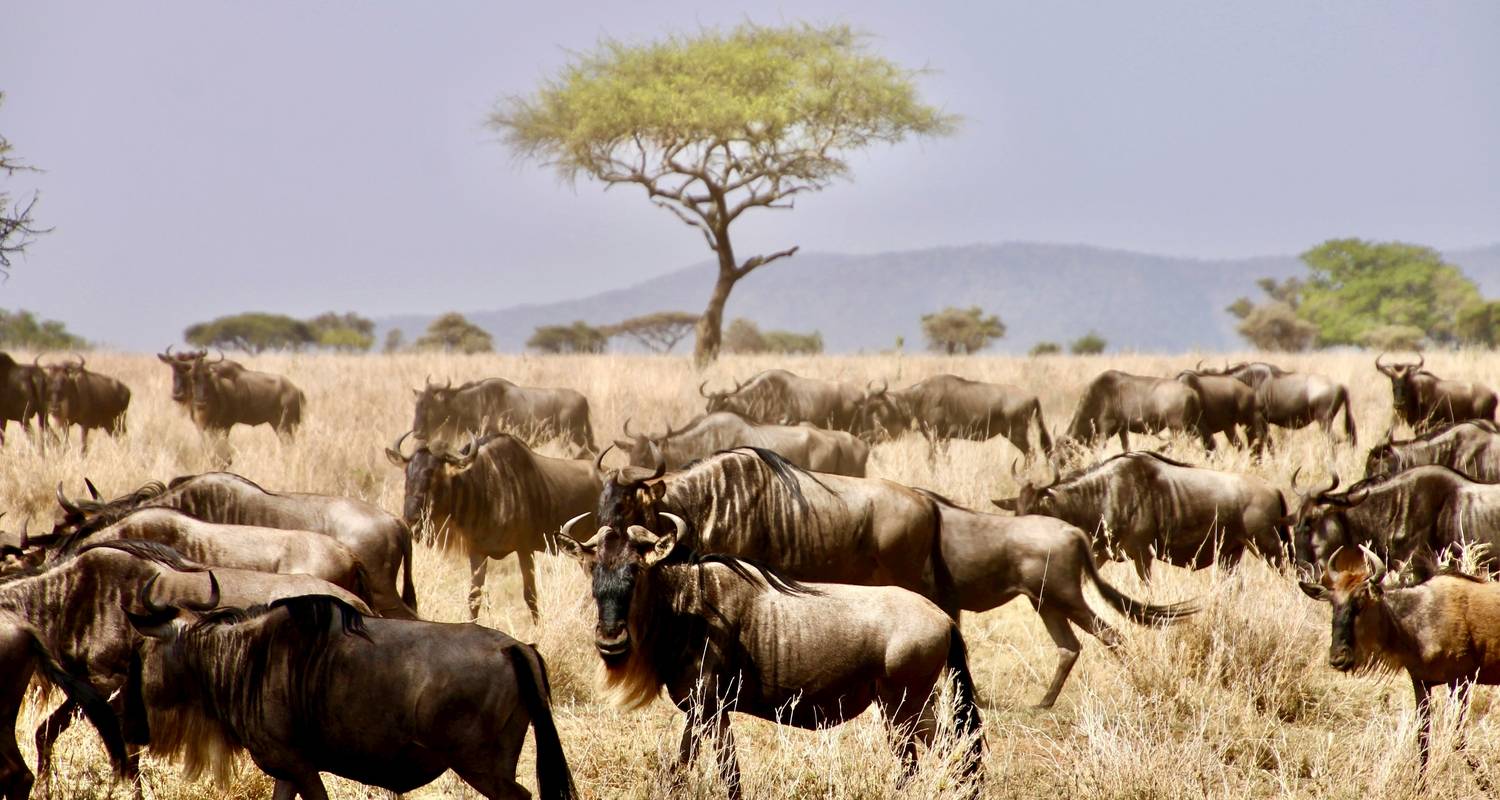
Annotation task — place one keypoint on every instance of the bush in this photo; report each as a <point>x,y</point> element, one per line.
<point>452,332</point>
<point>21,329</point>
<point>580,337</point>
<point>1046,349</point>
<point>1090,344</point>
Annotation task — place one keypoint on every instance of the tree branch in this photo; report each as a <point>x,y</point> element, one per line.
<point>756,262</point>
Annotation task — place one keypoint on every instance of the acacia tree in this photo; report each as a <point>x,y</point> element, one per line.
<point>716,124</point>
<point>16,225</point>
<point>659,331</point>
<point>961,330</point>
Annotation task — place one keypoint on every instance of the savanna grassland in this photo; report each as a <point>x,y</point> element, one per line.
<point>1236,702</point>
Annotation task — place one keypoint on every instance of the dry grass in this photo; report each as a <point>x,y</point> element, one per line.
<point>1235,703</point>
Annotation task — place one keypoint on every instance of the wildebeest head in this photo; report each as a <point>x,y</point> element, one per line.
<point>1319,527</point>
<point>642,448</point>
<point>1352,585</point>
<point>429,471</point>
<point>203,374</point>
<point>720,401</point>
<point>182,371</point>
<point>620,566</point>
<point>432,410</point>
<point>62,385</point>
<point>1383,458</point>
<point>631,494</point>
<point>882,413</point>
<point>1403,379</point>
<point>1032,498</point>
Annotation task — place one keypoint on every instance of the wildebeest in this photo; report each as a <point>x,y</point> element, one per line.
<point>1471,447</point>
<point>182,374</point>
<point>76,396</point>
<point>1424,400</point>
<point>1145,506</point>
<point>23,394</point>
<point>1422,511</point>
<point>721,634</point>
<point>495,497</point>
<point>226,394</point>
<point>75,606</point>
<point>1443,631</point>
<point>1227,406</point>
<point>307,685</point>
<point>950,407</point>
<point>1294,399</point>
<point>779,397</point>
<point>380,539</point>
<point>1120,403</point>
<point>815,449</point>
<point>752,503</point>
<point>494,405</point>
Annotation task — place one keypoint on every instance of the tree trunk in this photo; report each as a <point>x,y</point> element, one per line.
<point>711,324</point>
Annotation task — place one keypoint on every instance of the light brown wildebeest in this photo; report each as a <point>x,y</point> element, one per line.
<point>949,407</point>
<point>1424,400</point>
<point>811,448</point>
<point>76,396</point>
<point>778,397</point>
<point>307,685</point>
<point>182,374</point>
<point>1228,405</point>
<point>495,405</point>
<point>495,497</point>
<point>1471,447</point>
<point>226,394</point>
<point>720,634</point>
<point>1118,403</point>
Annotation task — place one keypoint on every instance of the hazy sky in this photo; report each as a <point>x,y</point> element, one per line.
<point>208,157</point>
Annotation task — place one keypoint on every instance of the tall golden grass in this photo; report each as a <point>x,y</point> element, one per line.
<point>1237,702</point>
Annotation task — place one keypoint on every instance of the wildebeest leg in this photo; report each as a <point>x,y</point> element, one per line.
<point>729,763</point>
<point>528,583</point>
<point>1125,438</point>
<point>479,569</point>
<point>1423,693</point>
<point>15,779</point>
<point>310,786</point>
<point>1068,647</point>
<point>909,722</point>
<point>47,733</point>
<point>1459,692</point>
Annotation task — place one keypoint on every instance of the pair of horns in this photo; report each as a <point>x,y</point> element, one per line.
<point>637,533</point>
<point>158,609</point>
<point>631,475</point>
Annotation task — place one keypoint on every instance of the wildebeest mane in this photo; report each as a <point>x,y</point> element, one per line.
<point>1378,481</point>
<point>155,552</point>
<point>112,510</point>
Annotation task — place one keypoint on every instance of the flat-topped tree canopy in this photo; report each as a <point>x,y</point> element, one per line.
<point>714,124</point>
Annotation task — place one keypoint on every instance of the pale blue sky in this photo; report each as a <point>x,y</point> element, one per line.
<point>207,157</point>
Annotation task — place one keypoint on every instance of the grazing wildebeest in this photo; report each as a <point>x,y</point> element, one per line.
<point>226,394</point>
<point>1120,403</point>
<point>1424,400</point>
<point>779,397</point>
<point>1294,399</point>
<point>182,374</point>
<point>752,503</point>
<point>949,407</point>
<point>23,394</point>
<point>1227,405</point>
<point>495,497</point>
<point>75,606</point>
<point>248,547</point>
<point>992,559</point>
<point>1443,631</point>
<point>1471,447</point>
<point>1420,512</point>
<point>76,396</point>
<point>1144,506</point>
<point>721,634</point>
<point>307,685</point>
<point>380,539</point>
<point>495,405</point>
<point>815,449</point>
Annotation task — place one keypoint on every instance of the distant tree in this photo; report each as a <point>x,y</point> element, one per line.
<point>17,228</point>
<point>453,333</point>
<point>1392,337</point>
<point>745,337</point>
<point>395,339</point>
<point>961,330</point>
<point>1046,349</point>
<point>580,337</point>
<point>348,333</point>
<point>21,329</point>
<point>1358,286</point>
<point>1479,324</point>
<point>1090,344</point>
<point>1274,324</point>
<point>253,332</point>
<point>659,332</point>
<point>715,124</point>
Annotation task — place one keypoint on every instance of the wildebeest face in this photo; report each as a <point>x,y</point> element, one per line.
<point>883,416</point>
<point>182,372</point>
<point>1402,379</point>
<point>432,410</point>
<point>1031,499</point>
<point>429,472</point>
<point>203,387</point>
<point>62,386</point>
<point>1353,589</point>
<point>619,566</point>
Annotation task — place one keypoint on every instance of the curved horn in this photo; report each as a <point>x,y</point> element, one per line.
<point>213,597</point>
<point>599,461</point>
<point>37,362</point>
<point>1376,566</point>
<point>1199,366</point>
<point>25,533</point>
<point>448,384</point>
<point>628,434</point>
<point>396,448</point>
<point>144,596</point>
<point>1421,359</point>
<point>677,522</point>
<point>67,505</point>
<point>93,492</point>
<point>221,355</point>
<point>1295,473</point>
<point>703,394</point>
<point>168,354</point>
<point>1380,366</point>
<point>1333,484</point>
<point>467,455</point>
<point>659,463</point>
<point>427,381</point>
<point>81,362</point>
<point>1014,472</point>
<point>567,528</point>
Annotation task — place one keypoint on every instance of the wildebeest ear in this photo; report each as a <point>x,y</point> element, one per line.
<point>1008,503</point>
<point>1314,590</point>
<point>661,548</point>
<point>658,490</point>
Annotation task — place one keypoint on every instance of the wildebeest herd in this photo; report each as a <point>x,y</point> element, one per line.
<point>743,561</point>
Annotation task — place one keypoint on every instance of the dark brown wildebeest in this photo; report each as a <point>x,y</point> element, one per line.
<point>75,606</point>
<point>226,394</point>
<point>182,374</point>
<point>949,407</point>
<point>1120,403</point>
<point>1423,400</point>
<point>1420,512</point>
<point>1227,404</point>
<point>495,497</point>
<point>1294,399</point>
<point>1144,506</point>
<point>307,685</point>
<point>1471,447</point>
<point>721,634</point>
<point>779,397</point>
<point>814,449</point>
<point>1443,631</point>
<point>380,539</point>
<point>495,405</point>
<point>76,396</point>
<point>23,394</point>
<point>752,503</point>
<point>289,552</point>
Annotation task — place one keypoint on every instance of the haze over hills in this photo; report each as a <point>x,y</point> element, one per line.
<point>1043,292</point>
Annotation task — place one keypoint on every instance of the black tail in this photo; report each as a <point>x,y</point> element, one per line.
<point>966,706</point>
<point>408,589</point>
<point>554,781</point>
<point>944,592</point>
<point>94,706</point>
<point>1348,417</point>
<point>1138,612</point>
<point>1041,429</point>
